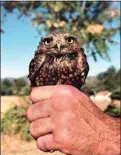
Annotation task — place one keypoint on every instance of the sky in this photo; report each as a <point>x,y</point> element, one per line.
<point>19,43</point>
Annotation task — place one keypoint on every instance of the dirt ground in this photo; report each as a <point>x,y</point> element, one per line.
<point>15,146</point>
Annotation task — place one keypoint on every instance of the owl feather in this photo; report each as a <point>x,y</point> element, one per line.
<point>59,59</point>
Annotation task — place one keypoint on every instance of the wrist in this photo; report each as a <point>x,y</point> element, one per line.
<point>107,148</point>
<point>109,138</point>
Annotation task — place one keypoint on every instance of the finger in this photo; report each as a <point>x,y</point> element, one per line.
<point>37,111</point>
<point>46,143</point>
<point>41,93</point>
<point>41,127</point>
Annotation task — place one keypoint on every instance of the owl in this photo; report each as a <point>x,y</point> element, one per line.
<point>59,59</point>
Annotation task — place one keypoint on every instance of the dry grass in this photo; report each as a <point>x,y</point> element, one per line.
<point>117,103</point>
<point>15,146</point>
<point>9,101</point>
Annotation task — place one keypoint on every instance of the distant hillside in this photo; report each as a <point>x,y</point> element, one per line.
<point>15,86</point>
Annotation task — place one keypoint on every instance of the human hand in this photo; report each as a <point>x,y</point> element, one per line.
<point>65,119</point>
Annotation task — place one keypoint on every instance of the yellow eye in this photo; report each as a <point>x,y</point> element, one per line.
<point>71,39</point>
<point>47,41</point>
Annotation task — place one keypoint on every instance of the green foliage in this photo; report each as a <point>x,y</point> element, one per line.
<point>7,83</point>
<point>24,132</point>
<point>109,80</point>
<point>6,87</point>
<point>86,19</point>
<point>116,94</point>
<point>18,86</point>
<point>20,83</point>
<point>113,110</point>
<point>14,121</point>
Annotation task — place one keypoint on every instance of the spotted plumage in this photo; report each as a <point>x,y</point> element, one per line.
<point>58,60</point>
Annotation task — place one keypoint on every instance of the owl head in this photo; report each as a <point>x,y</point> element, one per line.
<point>59,43</point>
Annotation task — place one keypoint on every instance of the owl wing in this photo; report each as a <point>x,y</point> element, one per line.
<point>83,64</point>
<point>35,66</point>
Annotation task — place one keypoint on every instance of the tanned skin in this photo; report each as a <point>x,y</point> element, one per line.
<point>65,119</point>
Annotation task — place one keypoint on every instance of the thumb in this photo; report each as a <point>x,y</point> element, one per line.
<point>41,93</point>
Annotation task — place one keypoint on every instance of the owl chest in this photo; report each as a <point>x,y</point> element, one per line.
<point>60,66</point>
<point>57,71</point>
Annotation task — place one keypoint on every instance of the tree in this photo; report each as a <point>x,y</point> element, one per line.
<point>7,82</point>
<point>86,19</point>
<point>6,87</point>
<point>20,83</point>
<point>118,79</point>
<point>107,79</point>
<point>110,80</point>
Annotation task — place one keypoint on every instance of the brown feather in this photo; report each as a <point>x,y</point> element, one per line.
<point>51,67</point>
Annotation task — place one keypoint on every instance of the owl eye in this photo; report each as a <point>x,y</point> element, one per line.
<point>71,39</point>
<point>47,41</point>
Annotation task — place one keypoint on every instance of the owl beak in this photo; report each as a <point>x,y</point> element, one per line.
<point>59,46</point>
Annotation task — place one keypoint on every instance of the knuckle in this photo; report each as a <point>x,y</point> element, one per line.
<point>29,113</point>
<point>32,129</point>
<point>39,144</point>
<point>32,96</point>
<point>65,150</point>
<point>62,138</point>
<point>67,90</point>
<point>42,145</point>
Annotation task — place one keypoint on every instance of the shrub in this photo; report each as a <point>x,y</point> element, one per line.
<point>116,94</point>
<point>113,110</point>
<point>14,121</point>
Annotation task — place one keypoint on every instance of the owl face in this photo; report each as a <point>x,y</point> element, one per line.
<point>59,43</point>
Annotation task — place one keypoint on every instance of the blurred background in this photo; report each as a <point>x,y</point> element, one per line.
<point>23,23</point>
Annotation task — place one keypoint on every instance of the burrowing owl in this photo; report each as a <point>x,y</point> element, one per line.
<point>59,59</point>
